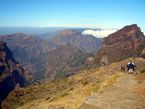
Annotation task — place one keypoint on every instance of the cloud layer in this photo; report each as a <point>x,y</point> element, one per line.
<point>99,33</point>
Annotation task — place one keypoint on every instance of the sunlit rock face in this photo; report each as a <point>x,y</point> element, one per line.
<point>126,42</point>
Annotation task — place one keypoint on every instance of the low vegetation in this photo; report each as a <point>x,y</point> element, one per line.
<point>67,93</point>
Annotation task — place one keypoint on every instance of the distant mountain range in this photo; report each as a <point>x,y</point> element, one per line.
<point>40,55</point>
<point>35,30</point>
<point>29,30</point>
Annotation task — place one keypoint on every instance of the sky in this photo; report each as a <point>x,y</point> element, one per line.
<point>107,14</point>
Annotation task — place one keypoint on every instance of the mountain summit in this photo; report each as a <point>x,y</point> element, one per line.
<point>126,42</point>
<point>128,32</point>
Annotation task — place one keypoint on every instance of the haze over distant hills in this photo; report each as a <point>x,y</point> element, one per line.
<point>34,30</point>
<point>50,32</point>
<point>28,30</point>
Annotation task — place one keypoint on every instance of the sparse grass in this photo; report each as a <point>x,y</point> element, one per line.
<point>72,91</point>
<point>140,89</point>
<point>77,87</point>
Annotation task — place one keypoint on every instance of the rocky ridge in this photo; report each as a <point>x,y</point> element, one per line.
<point>11,72</point>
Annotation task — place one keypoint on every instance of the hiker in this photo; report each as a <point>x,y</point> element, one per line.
<point>130,67</point>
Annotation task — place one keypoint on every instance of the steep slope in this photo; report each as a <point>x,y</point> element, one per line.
<point>72,92</point>
<point>64,61</point>
<point>11,72</point>
<point>127,42</point>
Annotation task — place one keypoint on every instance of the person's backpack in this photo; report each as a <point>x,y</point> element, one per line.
<point>132,66</point>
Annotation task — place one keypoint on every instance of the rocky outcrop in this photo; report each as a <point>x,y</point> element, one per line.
<point>127,42</point>
<point>11,72</point>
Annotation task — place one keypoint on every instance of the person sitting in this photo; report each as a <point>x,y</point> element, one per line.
<point>130,67</point>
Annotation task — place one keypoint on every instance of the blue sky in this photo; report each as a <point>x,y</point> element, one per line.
<point>72,13</point>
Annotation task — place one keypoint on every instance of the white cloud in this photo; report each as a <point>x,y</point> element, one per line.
<point>143,32</point>
<point>99,33</point>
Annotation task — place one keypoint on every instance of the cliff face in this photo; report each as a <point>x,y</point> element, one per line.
<point>11,72</point>
<point>127,42</point>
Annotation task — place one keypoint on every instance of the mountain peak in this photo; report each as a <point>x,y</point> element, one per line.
<point>133,27</point>
<point>126,42</point>
<point>126,33</point>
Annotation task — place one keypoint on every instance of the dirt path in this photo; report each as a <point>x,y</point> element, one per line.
<point>117,96</point>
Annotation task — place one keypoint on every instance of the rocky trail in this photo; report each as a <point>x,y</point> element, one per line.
<point>118,96</point>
